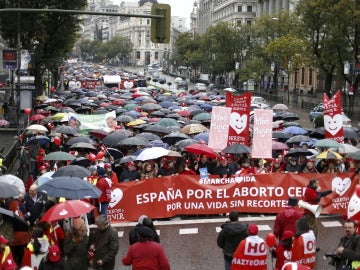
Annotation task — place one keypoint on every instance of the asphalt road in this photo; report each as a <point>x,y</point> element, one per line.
<point>191,244</point>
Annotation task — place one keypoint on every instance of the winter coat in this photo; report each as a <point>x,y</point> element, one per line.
<point>76,252</point>
<point>286,220</point>
<point>106,247</point>
<point>146,255</point>
<point>230,236</point>
<point>133,237</point>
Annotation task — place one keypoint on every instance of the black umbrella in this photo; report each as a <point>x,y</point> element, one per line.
<point>298,139</point>
<point>281,135</point>
<point>66,130</point>
<point>79,139</point>
<point>18,223</point>
<point>115,153</point>
<point>83,146</point>
<point>70,187</point>
<point>72,170</point>
<point>114,138</point>
<point>158,114</point>
<point>124,118</point>
<point>157,129</point>
<point>81,161</point>
<point>148,136</point>
<point>299,152</point>
<point>237,148</point>
<point>174,137</point>
<point>133,141</point>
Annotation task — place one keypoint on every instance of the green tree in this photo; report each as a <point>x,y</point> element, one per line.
<point>329,26</point>
<point>51,36</point>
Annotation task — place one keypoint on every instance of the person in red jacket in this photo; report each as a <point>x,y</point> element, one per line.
<point>146,254</point>
<point>304,244</point>
<point>313,195</point>
<point>7,261</point>
<point>286,219</point>
<point>251,253</point>
<point>104,184</point>
<point>282,252</point>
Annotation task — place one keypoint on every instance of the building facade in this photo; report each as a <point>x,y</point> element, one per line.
<point>136,29</point>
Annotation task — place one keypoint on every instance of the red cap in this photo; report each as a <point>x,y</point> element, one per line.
<point>131,163</point>
<point>253,229</point>
<point>222,158</point>
<point>276,160</point>
<point>42,168</point>
<point>287,234</point>
<point>3,240</point>
<point>107,166</point>
<point>54,253</point>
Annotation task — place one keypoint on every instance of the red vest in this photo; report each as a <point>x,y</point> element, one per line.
<point>251,254</point>
<point>304,249</point>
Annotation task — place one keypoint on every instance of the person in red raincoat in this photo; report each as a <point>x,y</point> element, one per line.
<point>286,218</point>
<point>7,261</point>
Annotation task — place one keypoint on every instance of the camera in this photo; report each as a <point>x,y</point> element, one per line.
<point>335,258</point>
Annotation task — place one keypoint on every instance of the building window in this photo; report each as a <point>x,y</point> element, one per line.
<point>249,9</point>
<point>310,76</point>
<point>239,8</point>
<point>147,33</point>
<point>138,55</point>
<point>148,21</point>
<point>156,55</point>
<point>248,22</point>
<point>238,22</point>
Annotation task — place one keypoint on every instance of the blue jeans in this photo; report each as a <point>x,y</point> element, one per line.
<point>103,208</point>
<point>227,264</point>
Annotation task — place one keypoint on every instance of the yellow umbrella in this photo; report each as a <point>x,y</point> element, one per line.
<point>136,122</point>
<point>41,98</point>
<point>58,116</point>
<point>329,155</point>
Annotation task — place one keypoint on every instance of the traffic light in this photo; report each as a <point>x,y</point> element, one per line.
<point>160,27</point>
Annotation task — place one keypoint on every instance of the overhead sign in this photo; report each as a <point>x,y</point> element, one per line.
<point>9,59</point>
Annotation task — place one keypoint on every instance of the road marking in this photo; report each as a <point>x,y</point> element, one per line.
<point>328,224</point>
<point>158,232</point>
<point>261,228</point>
<point>189,231</point>
<point>120,233</point>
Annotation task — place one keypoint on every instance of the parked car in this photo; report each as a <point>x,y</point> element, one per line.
<point>182,85</point>
<point>162,80</point>
<point>316,111</point>
<point>200,87</point>
<point>258,100</point>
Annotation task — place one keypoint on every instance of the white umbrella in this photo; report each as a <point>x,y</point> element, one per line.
<point>281,107</point>
<point>152,153</point>
<point>36,128</point>
<point>346,148</point>
<point>13,180</point>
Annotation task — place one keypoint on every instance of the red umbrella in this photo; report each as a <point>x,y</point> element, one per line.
<point>279,146</point>
<point>184,113</point>
<point>99,133</point>
<point>67,209</point>
<point>36,117</point>
<point>200,149</point>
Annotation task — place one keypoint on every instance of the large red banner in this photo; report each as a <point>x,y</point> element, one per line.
<point>189,195</point>
<point>239,130</point>
<point>333,117</point>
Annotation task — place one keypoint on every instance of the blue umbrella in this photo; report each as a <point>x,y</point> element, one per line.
<point>295,130</point>
<point>40,139</point>
<point>202,136</point>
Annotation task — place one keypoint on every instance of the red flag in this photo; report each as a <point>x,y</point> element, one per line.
<point>333,120</point>
<point>239,130</point>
